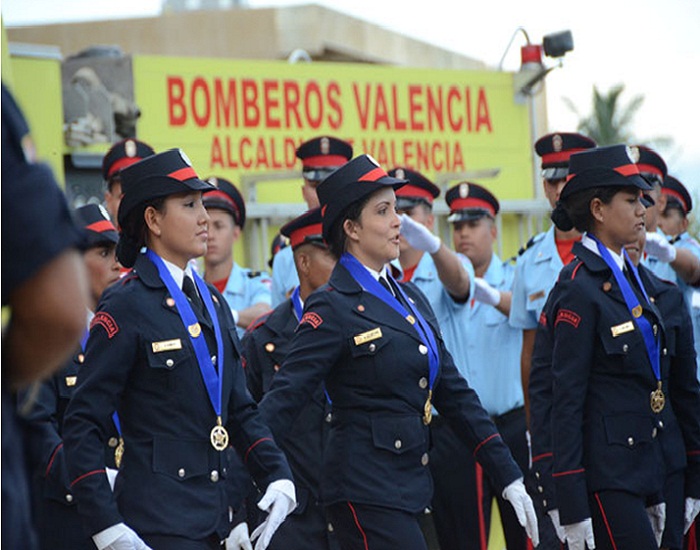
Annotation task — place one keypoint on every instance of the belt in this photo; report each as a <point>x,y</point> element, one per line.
<point>509,416</point>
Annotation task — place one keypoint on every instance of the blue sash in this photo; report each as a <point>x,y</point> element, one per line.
<point>212,377</point>
<point>371,285</point>
<point>651,341</point>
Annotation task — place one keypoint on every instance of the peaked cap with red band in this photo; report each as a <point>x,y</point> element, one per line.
<point>556,149</point>
<point>612,166</point>
<point>677,193</point>
<point>304,229</point>
<point>469,201</point>
<point>418,189</point>
<point>226,197</point>
<point>99,229</point>
<point>351,182</point>
<point>157,176</point>
<point>324,152</point>
<point>122,154</point>
<point>650,162</point>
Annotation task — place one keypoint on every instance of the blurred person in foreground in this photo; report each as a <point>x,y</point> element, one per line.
<point>44,296</point>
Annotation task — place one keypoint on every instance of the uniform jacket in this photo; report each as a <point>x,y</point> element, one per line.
<point>57,519</point>
<point>172,480</point>
<point>376,372</point>
<point>592,424</point>
<point>264,350</point>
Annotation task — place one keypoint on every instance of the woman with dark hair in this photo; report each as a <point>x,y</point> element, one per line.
<point>163,352</point>
<point>609,376</point>
<point>377,347</point>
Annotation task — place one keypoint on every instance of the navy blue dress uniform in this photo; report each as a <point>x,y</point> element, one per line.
<point>319,157</point>
<point>141,361</point>
<point>57,520</point>
<point>36,228</point>
<point>600,430</point>
<point>265,347</point>
<point>376,371</point>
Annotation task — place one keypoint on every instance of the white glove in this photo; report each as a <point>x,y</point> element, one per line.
<point>559,530</point>
<point>119,537</point>
<point>657,518</point>
<point>239,539</point>
<point>579,535</point>
<point>419,236</point>
<point>485,293</point>
<point>111,477</point>
<point>278,501</point>
<point>660,248</point>
<point>521,502</point>
<point>692,507</point>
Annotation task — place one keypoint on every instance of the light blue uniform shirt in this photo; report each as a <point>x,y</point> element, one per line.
<point>284,275</point>
<point>664,271</point>
<point>451,315</point>
<point>245,288</point>
<point>493,348</point>
<point>536,271</point>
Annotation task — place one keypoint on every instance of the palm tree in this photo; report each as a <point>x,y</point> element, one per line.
<point>610,122</point>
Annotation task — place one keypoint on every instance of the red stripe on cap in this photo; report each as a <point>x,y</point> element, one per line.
<point>374,175</point>
<point>559,156</point>
<point>623,170</point>
<point>122,163</point>
<point>323,160</point>
<point>297,237</point>
<point>676,195</point>
<point>183,174</point>
<point>650,168</point>
<point>224,197</point>
<point>471,203</point>
<point>101,226</point>
<point>414,191</point>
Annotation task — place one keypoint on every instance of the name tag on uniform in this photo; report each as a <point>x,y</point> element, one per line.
<point>368,336</point>
<point>536,296</point>
<point>71,380</point>
<point>166,345</point>
<point>622,329</point>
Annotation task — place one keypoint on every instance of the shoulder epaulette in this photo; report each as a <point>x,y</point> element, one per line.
<point>528,244</point>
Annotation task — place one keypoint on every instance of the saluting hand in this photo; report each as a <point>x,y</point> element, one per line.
<point>658,246</point>
<point>419,236</point>
<point>521,502</point>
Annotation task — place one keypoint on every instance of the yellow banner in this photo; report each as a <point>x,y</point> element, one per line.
<point>247,117</point>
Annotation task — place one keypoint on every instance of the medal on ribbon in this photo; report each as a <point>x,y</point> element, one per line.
<point>212,377</point>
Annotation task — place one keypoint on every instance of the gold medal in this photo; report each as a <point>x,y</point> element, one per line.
<point>428,409</point>
<point>219,436</point>
<point>194,330</point>
<point>119,452</point>
<point>637,311</point>
<point>658,399</point>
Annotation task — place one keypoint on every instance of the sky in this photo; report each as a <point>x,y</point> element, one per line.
<point>651,47</point>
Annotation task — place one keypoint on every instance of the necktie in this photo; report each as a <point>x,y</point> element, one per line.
<point>385,284</point>
<point>191,292</point>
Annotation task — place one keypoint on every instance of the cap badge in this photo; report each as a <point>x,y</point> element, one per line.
<point>633,154</point>
<point>185,158</point>
<point>400,174</point>
<point>557,142</point>
<point>130,148</point>
<point>463,190</point>
<point>213,181</point>
<point>325,146</point>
